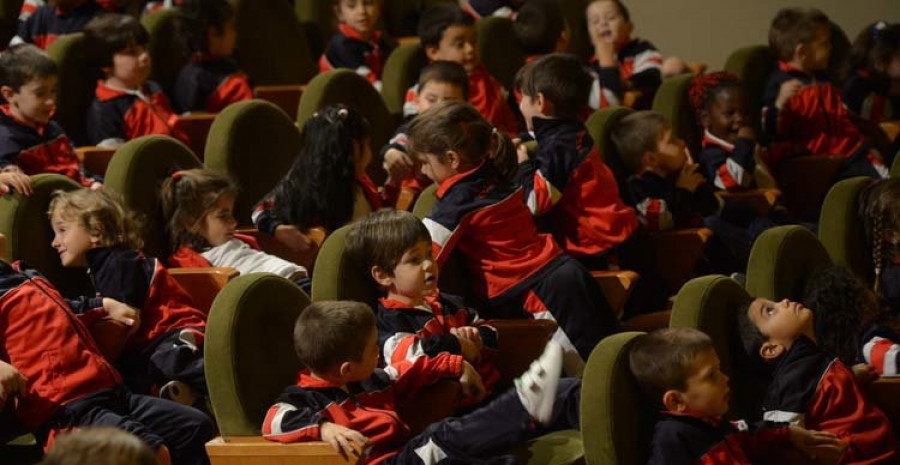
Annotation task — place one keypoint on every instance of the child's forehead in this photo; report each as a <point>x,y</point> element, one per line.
<point>599,7</point>
<point>458,30</point>
<point>434,85</point>
<point>36,82</point>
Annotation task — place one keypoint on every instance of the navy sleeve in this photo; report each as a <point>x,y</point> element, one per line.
<point>126,277</point>
<point>84,304</point>
<point>264,217</point>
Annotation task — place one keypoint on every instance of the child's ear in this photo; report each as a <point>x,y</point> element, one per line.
<point>771,350</point>
<point>799,51</point>
<point>453,159</point>
<point>431,51</point>
<point>381,276</point>
<point>674,401</point>
<point>544,104</point>
<point>345,369</point>
<point>7,92</point>
<point>649,160</point>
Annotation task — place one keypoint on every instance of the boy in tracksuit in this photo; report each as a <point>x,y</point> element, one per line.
<point>341,398</point>
<point>63,382</point>
<point>678,370</point>
<point>49,21</point>
<point>357,44</point>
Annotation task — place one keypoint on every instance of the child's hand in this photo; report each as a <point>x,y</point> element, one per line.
<point>291,237</point>
<point>689,179</point>
<point>823,448</point>
<point>122,313</point>
<point>788,89</point>
<point>345,441</point>
<point>605,52</point>
<point>521,153</point>
<point>398,164</point>
<point>470,380</point>
<point>469,342</point>
<point>96,186</point>
<point>11,382</point>
<point>864,373</point>
<point>746,132</point>
<point>15,179</point>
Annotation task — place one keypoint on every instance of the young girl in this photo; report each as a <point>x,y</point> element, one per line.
<point>199,205</point>
<point>881,219</point>
<point>481,214</point>
<point>211,80</point>
<point>872,74</point>
<point>91,229</point>
<point>327,186</point>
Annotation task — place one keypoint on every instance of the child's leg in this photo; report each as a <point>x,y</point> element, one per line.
<point>179,356</point>
<point>863,164</point>
<point>639,255</point>
<point>185,430</point>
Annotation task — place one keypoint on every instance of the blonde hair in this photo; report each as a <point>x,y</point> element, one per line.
<point>101,214</point>
<point>100,446</point>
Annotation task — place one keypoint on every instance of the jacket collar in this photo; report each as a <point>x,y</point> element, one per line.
<point>431,301</point>
<point>709,139</point>
<point>348,31</point>
<point>7,111</point>
<point>106,92</point>
<point>305,379</point>
<point>448,183</point>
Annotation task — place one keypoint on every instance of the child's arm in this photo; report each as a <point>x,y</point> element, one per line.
<point>105,128</point>
<point>408,377</point>
<point>12,178</point>
<point>295,417</point>
<point>693,195</point>
<point>607,88</point>
<point>647,71</point>
<point>344,52</point>
<point>544,177</point>
<point>11,382</point>
<point>126,277</point>
<point>650,203</point>
<point>731,171</point>
<point>264,217</point>
<point>401,340</point>
<point>880,349</point>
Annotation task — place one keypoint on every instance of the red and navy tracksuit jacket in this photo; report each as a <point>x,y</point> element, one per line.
<point>406,334</point>
<point>688,440</point>
<point>369,407</point>
<point>869,97</point>
<point>348,49</point>
<point>121,115</point>
<point>46,149</point>
<point>639,68</point>
<point>819,393</point>
<point>728,166</point>
<point>49,22</point>
<point>481,8</point>
<point>880,348</point>
<point>568,181</point>
<point>210,85</point>
<point>661,205</point>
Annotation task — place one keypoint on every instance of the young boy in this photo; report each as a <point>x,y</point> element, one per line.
<point>801,107</point>
<point>414,318</point>
<point>357,44</point>
<point>448,34</point>
<point>678,370</point>
<point>211,80</point>
<point>341,398</point>
<point>52,365</point>
<point>126,105</point>
<point>541,29</point>
<point>52,20</point>
<point>439,81</point>
<point>620,63</point>
<point>30,142</point>
<point>810,388</point>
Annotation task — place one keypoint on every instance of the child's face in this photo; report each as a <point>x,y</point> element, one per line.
<point>415,276</point>
<point>892,70</point>
<point>71,240</point>
<point>605,22</point>
<point>457,45</point>
<point>131,67</point>
<point>219,223</point>
<point>361,15</point>
<point>361,370</point>
<point>670,153</point>
<point>726,114</point>
<point>435,169</point>
<point>435,92</point>
<point>35,101</point>
<point>531,107</point>
<point>221,42</point>
<point>782,323</point>
<point>818,50</point>
<point>707,390</point>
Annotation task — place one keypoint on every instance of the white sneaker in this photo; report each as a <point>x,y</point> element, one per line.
<point>179,392</point>
<point>537,386</point>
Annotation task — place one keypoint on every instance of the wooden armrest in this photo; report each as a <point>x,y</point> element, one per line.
<point>630,97</point>
<point>95,159</point>
<point>520,342</point>
<point>891,128</point>
<point>760,200</point>
<point>4,254</point>
<point>254,450</point>
<point>408,40</point>
<point>196,127</point>
<point>406,199</point>
<point>272,245</point>
<point>885,393</point>
<point>648,322</point>
<point>678,251</point>
<point>616,286</point>
<point>203,284</point>
<point>286,97</point>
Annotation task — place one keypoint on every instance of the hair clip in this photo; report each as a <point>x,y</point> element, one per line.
<point>877,27</point>
<point>343,112</point>
<point>176,175</point>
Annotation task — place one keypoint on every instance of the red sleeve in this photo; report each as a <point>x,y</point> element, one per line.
<point>249,240</point>
<point>409,377</point>
<point>759,445</point>
<point>187,257</point>
<point>234,88</point>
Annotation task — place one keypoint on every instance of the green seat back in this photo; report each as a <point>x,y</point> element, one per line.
<point>752,64</point>
<point>401,71</point>
<point>337,277</point>
<point>166,48</point>
<point>616,420</point>
<point>271,45</point>
<point>710,304</point>
<point>24,222</point>
<point>576,20</point>
<point>318,22</point>
<point>841,230</point>
<point>249,349</point>
<point>75,89</point>
<point>673,102</point>
<point>600,126</point>
<point>9,19</point>
<point>453,278</point>
<point>895,168</point>
<point>256,143</point>
<point>499,49</point>
<point>137,171</point>
<point>781,260</point>
<point>401,17</point>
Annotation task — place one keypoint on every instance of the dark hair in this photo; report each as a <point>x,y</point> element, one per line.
<point>561,78</point>
<point>103,445</point>
<point>538,26</point>
<point>330,333</point>
<point>623,10</point>
<point>751,337</point>
<point>318,190</point>
<point>198,16</point>
<point>665,359</point>
<point>111,33</point>
<point>881,220</point>
<point>448,72</point>
<point>382,238</point>
<point>187,197</point>
<point>455,125</point>
<point>637,134</point>
<point>22,63</point>
<point>875,45</point>
<point>705,87</point>
<point>436,19</point>
<point>792,27</point>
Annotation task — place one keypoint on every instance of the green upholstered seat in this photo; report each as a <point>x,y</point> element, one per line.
<point>166,47</point>
<point>599,126</point>
<point>752,64</point>
<point>271,45</point>
<point>137,171</point>
<point>841,230</point>
<point>499,49</point>
<point>336,277</point>
<point>401,71</point>
<point>249,350</point>
<point>77,82</point>
<point>895,168</point>
<point>576,20</point>
<point>673,102</point>
<point>256,143</point>
<point>780,261</point>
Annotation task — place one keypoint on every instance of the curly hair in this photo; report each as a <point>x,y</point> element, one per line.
<point>705,87</point>
<point>99,212</point>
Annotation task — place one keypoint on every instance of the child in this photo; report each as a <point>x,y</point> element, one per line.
<point>541,29</point>
<point>357,44</point>
<point>502,8</point>
<point>211,80</point>
<point>30,143</point>
<point>93,230</point>
<point>199,205</point>
<point>342,399</point>
<point>800,107</point>
<point>729,144</point>
<point>53,367</point>
<point>872,85</point>
<point>881,220</point>
<point>101,446</point>
<point>51,20</point>
<point>480,213</point>
<point>327,186</point>
<point>126,105</point>
<point>439,81</point>
<point>678,370</point>
<point>414,318</point>
<point>808,387</point>
<point>620,63</point>
<point>448,34</point>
